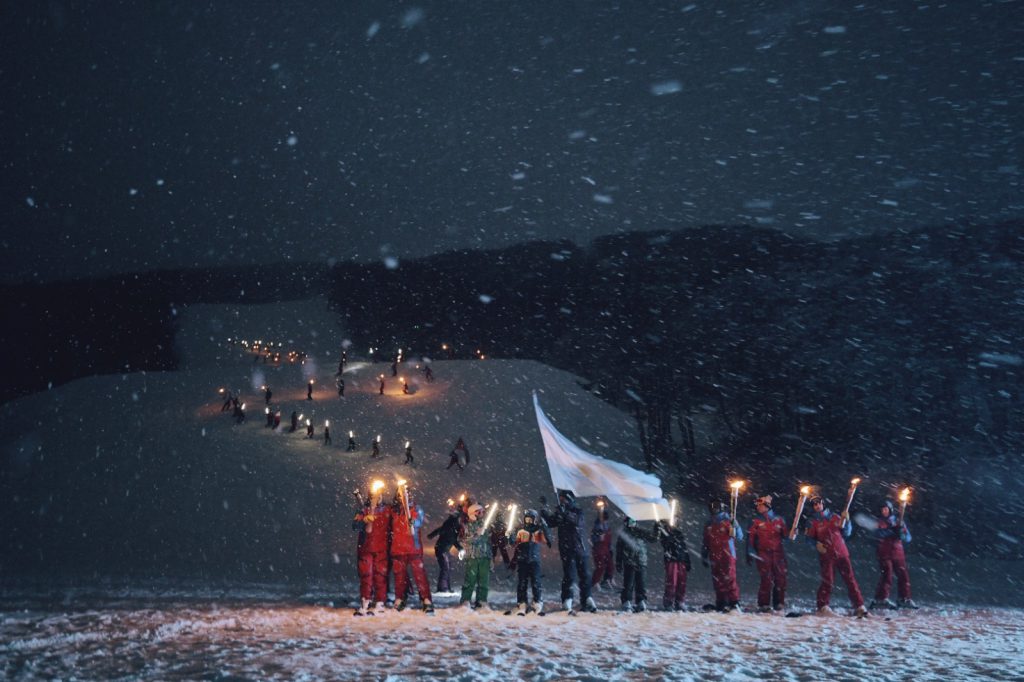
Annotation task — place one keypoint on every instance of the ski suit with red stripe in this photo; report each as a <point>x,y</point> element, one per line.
<point>891,558</point>
<point>764,544</point>
<point>373,525</point>
<point>407,552</point>
<point>720,549</point>
<point>827,530</point>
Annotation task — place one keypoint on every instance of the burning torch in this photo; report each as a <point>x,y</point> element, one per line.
<point>849,497</point>
<point>804,494</point>
<point>904,499</point>
<point>490,517</point>
<point>511,519</point>
<point>736,485</point>
<point>403,488</point>
<point>672,514</point>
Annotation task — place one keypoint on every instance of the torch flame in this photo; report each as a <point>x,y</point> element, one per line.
<point>736,485</point>
<point>401,481</point>
<point>806,490</point>
<point>451,502</point>
<point>904,494</point>
<point>377,486</point>
<point>855,481</point>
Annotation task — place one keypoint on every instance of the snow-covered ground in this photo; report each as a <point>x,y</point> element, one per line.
<point>148,536</point>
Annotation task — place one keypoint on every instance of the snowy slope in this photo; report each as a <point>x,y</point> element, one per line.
<point>141,521</point>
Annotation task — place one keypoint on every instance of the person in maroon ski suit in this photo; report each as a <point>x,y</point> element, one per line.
<point>891,535</point>
<point>764,545</point>
<point>826,531</point>
<point>719,551</point>
<point>601,542</point>
<point>407,552</point>
<point>373,522</point>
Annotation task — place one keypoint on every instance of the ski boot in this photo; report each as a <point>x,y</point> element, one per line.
<point>400,605</point>
<point>521,610</point>
<point>882,604</point>
<point>627,607</point>
<point>538,607</point>
<point>641,606</point>
<point>764,608</point>
<point>428,607</point>
<point>364,609</point>
<point>826,610</point>
<point>908,604</point>
<point>590,606</point>
<point>567,605</point>
<point>861,612</point>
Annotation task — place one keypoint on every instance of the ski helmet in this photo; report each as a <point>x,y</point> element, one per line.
<point>567,494</point>
<point>474,512</point>
<point>766,500</point>
<point>530,515</point>
<point>818,499</point>
<point>716,506</point>
<point>889,504</point>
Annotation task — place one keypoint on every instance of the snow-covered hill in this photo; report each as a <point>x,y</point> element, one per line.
<point>141,519</point>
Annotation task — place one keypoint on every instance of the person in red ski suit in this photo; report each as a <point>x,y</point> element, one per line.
<point>601,542</point>
<point>719,551</point>
<point>826,531</point>
<point>373,522</point>
<point>764,544</point>
<point>407,552</point>
<point>891,535</point>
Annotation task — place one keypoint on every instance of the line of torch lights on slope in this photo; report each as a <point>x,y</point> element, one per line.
<point>734,487</point>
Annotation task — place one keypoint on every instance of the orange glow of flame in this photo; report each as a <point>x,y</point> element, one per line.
<point>855,481</point>
<point>736,485</point>
<point>806,490</point>
<point>904,494</point>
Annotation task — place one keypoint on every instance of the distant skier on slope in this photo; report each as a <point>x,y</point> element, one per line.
<point>459,456</point>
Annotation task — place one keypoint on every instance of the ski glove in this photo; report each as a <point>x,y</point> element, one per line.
<point>820,547</point>
<point>462,554</point>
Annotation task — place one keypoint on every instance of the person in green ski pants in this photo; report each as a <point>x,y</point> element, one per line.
<point>476,553</point>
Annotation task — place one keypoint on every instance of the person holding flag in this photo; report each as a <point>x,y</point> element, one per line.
<point>572,548</point>
<point>764,545</point>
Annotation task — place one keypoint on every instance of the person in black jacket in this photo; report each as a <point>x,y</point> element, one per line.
<point>631,560</point>
<point>447,535</point>
<point>572,548</point>
<point>677,564</point>
<point>526,561</point>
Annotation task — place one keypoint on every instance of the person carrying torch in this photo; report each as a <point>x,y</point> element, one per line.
<point>764,545</point>
<point>891,532</point>
<point>719,552</point>
<point>601,544</point>
<point>477,556</point>
<point>407,549</point>
<point>373,523</point>
<point>447,535</point>
<point>826,530</point>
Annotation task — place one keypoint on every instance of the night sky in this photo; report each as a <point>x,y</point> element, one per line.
<point>144,135</point>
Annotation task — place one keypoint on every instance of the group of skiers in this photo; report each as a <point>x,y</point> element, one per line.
<point>389,540</point>
<point>823,529</point>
